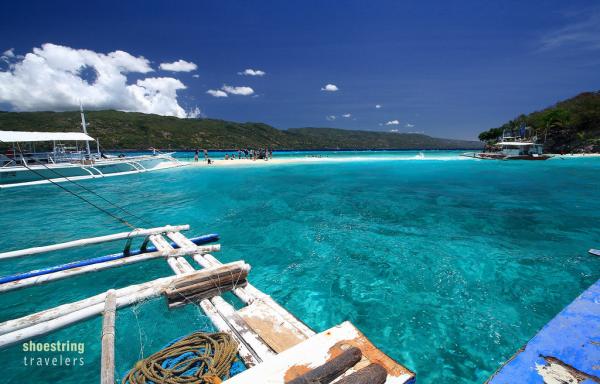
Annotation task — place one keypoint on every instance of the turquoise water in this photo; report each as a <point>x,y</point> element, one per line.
<point>448,266</point>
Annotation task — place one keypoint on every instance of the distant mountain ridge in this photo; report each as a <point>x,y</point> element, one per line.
<point>132,130</point>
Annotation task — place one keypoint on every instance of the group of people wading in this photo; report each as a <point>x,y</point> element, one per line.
<point>246,153</point>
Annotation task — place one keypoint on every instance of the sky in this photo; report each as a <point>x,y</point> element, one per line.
<point>443,68</point>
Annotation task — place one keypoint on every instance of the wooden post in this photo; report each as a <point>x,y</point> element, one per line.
<point>332,369</point>
<point>371,374</point>
<point>107,368</point>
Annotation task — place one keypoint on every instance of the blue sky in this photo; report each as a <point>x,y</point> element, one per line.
<point>448,69</point>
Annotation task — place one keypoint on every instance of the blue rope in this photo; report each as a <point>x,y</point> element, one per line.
<point>236,367</point>
<point>172,363</point>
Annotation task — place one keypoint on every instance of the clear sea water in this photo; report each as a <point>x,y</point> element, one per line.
<point>449,265</point>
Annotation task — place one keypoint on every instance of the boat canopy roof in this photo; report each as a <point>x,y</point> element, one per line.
<point>516,143</point>
<point>21,137</point>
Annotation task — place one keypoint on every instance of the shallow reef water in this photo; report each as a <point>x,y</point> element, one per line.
<point>449,265</point>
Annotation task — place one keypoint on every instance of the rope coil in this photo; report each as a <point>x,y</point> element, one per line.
<point>203,358</point>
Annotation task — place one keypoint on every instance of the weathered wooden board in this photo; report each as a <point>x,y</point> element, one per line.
<point>206,283</point>
<point>317,350</point>
<point>178,300</point>
<point>278,333</point>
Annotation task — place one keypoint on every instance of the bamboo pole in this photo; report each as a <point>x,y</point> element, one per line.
<point>250,293</point>
<point>107,363</point>
<point>53,313</point>
<point>44,322</point>
<point>93,240</point>
<point>36,280</point>
<point>159,285</point>
<point>62,321</point>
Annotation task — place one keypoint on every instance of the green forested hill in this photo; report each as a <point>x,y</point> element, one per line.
<point>129,130</point>
<point>570,125</point>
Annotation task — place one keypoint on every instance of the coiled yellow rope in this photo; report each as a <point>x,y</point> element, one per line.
<point>211,353</point>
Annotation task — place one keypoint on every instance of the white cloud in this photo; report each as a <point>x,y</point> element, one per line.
<point>330,117</point>
<point>242,91</point>
<point>394,130</point>
<point>252,72</point>
<point>50,78</point>
<point>216,93</point>
<point>8,54</point>
<point>392,122</point>
<point>347,115</point>
<point>409,125</point>
<point>196,76</point>
<point>179,66</point>
<point>377,106</point>
<point>582,31</point>
<point>330,88</point>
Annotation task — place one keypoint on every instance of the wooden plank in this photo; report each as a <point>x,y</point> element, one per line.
<point>249,359</point>
<point>206,285</point>
<point>92,240</point>
<point>317,350</point>
<point>252,340</point>
<point>250,293</point>
<point>227,271</point>
<point>202,295</point>
<point>107,362</point>
<point>278,333</point>
<point>257,294</point>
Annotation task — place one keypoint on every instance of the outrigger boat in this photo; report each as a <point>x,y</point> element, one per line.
<point>513,148</point>
<point>22,167</point>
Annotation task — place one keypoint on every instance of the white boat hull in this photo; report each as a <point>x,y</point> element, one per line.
<point>54,173</point>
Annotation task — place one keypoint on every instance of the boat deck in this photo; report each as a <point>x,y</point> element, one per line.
<point>566,350</point>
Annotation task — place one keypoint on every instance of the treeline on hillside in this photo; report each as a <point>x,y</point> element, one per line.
<point>570,125</point>
<point>136,131</point>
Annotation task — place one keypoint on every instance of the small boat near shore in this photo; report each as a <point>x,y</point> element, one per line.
<point>512,147</point>
<point>66,156</point>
